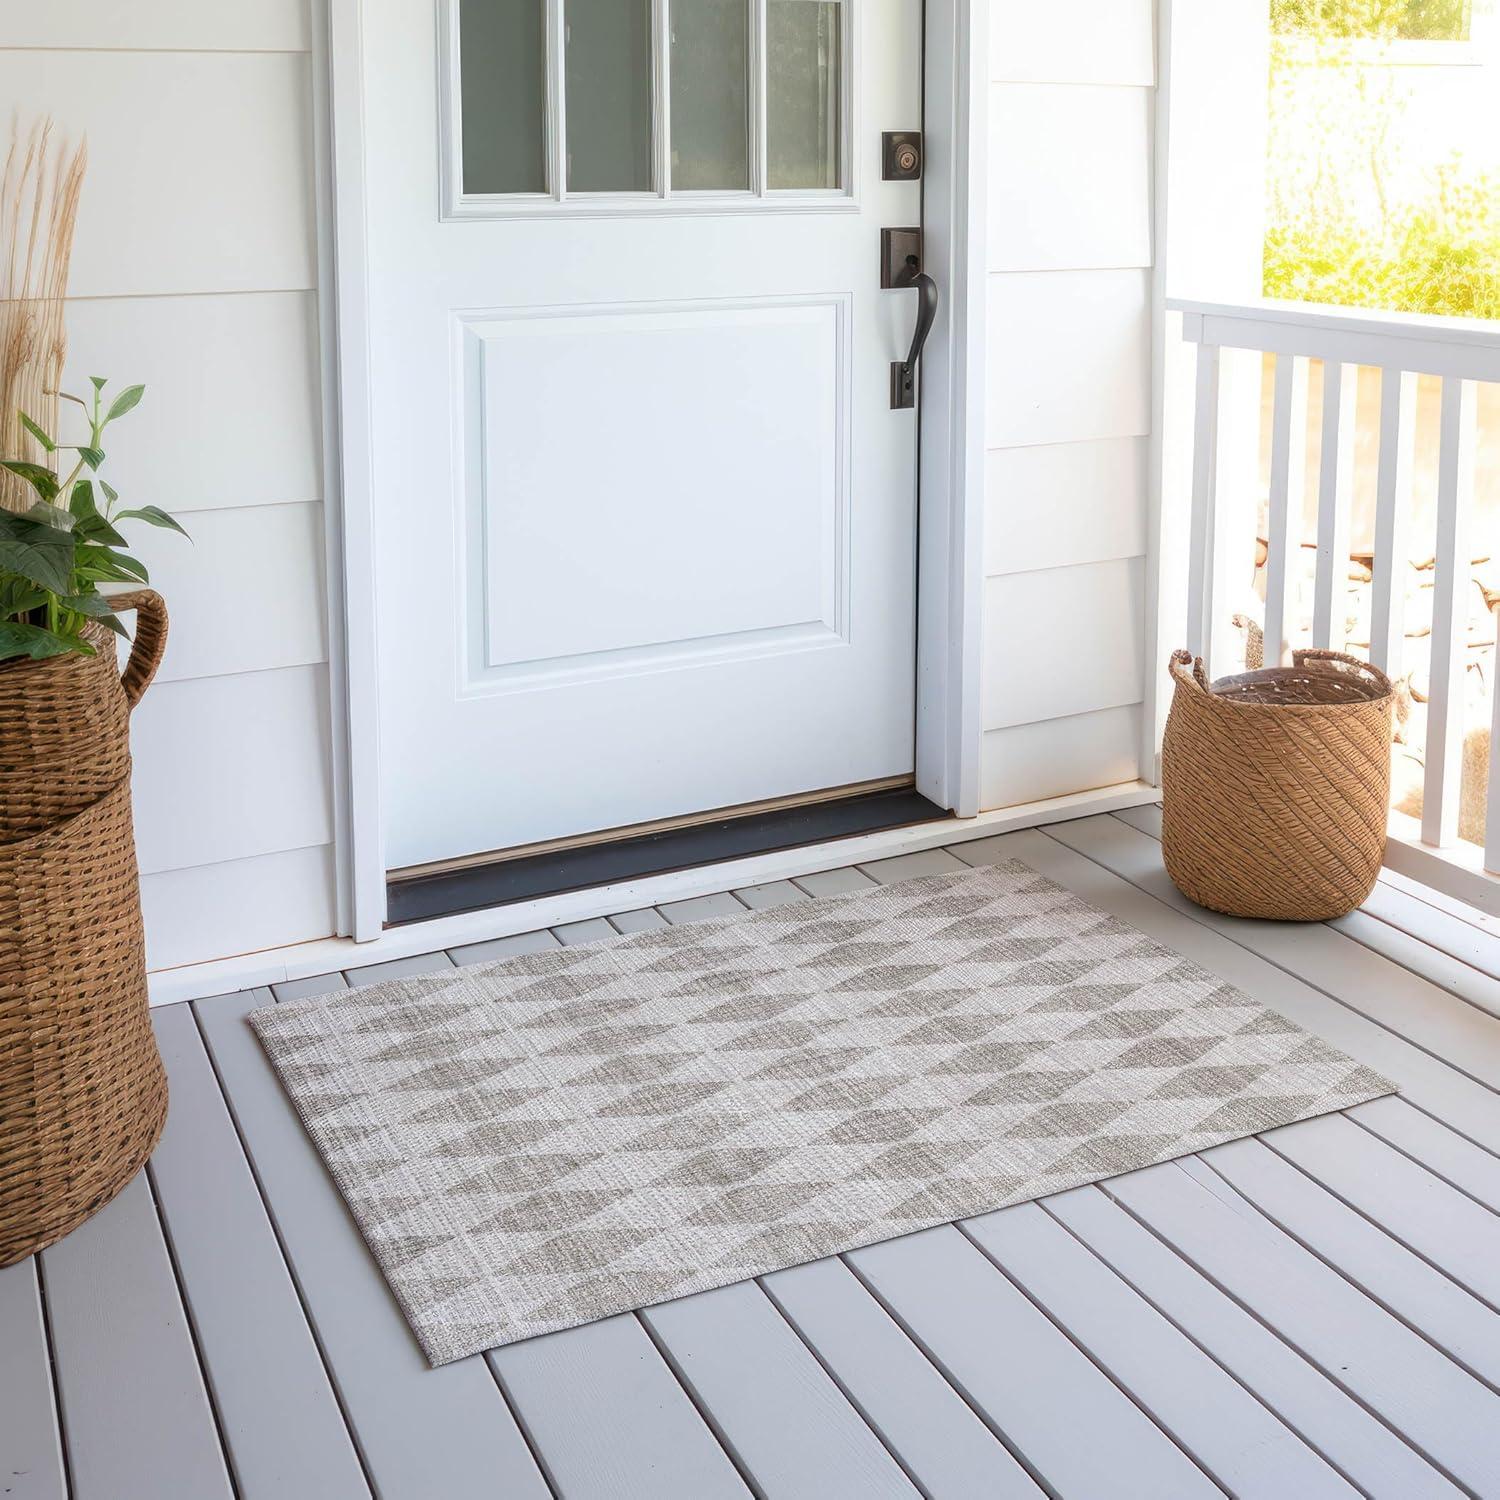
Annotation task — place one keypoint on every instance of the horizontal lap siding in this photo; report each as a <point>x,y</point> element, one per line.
<point>1068,381</point>
<point>195,272</point>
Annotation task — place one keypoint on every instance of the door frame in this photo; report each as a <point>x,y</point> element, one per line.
<point>950,565</point>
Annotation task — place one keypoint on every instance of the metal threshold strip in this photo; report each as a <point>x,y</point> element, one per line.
<point>421,893</point>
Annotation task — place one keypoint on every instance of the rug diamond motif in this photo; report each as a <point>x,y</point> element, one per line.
<point>536,1143</point>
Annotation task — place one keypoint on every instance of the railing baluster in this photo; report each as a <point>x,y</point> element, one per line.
<point>1201,571</point>
<point>1492,808</point>
<point>1398,424</point>
<point>1284,524</point>
<point>1450,616</point>
<point>1335,503</point>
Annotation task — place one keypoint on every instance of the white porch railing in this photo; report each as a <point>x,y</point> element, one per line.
<point>1233,508</point>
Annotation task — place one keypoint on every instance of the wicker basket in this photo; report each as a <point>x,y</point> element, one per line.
<point>83,1095</point>
<point>1276,786</point>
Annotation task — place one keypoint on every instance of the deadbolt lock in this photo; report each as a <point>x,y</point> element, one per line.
<point>901,153</point>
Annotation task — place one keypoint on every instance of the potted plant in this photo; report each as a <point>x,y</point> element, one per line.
<point>82,1090</point>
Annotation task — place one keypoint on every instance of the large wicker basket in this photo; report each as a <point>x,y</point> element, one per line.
<point>83,1095</point>
<point>1276,786</point>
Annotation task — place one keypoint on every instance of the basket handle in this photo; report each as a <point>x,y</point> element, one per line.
<point>1178,664</point>
<point>150,640</point>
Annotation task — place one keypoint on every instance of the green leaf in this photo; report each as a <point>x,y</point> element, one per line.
<point>92,526</point>
<point>96,529</point>
<point>18,597</point>
<point>127,400</point>
<point>20,639</point>
<point>98,382</point>
<point>91,604</point>
<point>110,492</point>
<point>39,553</point>
<point>93,457</point>
<point>43,481</point>
<point>95,607</point>
<point>101,564</point>
<point>154,515</point>
<point>50,515</point>
<point>36,431</point>
<point>81,501</point>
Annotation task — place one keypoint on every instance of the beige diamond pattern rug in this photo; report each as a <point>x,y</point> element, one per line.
<point>536,1143</point>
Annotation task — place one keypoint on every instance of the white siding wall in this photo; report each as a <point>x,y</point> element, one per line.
<point>195,272</point>
<point>1069,384</point>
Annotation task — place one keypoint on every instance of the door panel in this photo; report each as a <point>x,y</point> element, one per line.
<point>705,505</point>
<point>645,521</point>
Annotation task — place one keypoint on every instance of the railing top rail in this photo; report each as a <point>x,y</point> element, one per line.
<point>1396,325</point>
<point>1465,347</point>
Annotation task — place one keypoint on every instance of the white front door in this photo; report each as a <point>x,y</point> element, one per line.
<point>645,518</point>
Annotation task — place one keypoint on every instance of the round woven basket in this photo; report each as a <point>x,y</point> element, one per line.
<point>83,1095</point>
<point>1276,786</point>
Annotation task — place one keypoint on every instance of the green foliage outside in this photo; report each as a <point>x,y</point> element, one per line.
<point>56,553</point>
<point>1414,20</point>
<point>1339,230</point>
<point>1440,256</point>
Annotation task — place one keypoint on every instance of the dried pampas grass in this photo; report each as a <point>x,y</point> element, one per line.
<point>38,211</point>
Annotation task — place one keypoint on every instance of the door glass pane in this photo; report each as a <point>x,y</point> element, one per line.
<point>608,99</point>
<point>710,94</point>
<point>502,93</point>
<point>803,79</point>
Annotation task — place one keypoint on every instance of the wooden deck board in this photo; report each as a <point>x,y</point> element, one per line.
<point>643,919</point>
<point>1441,1225</point>
<point>1445,1153</point>
<point>398,968</point>
<point>31,1460</point>
<point>136,1417</point>
<point>1470,943</point>
<point>1472,985</point>
<point>702,909</point>
<point>1035,1387</point>
<point>1327,1417</point>
<point>837,882</point>
<point>943,1443</point>
<point>1418,1294</point>
<point>912,866</point>
<point>595,930</point>
<point>277,1411</point>
<point>610,1420</point>
<point>1443,1411</point>
<point>763,897</point>
<point>775,1408</point>
<point>1303,1315</point>
<point>507,947</point>
<point>1241,1443</point>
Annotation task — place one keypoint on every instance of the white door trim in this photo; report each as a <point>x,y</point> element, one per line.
<point>950,559</point>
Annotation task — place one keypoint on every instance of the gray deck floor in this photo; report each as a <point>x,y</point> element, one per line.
<point>1310,1313</point>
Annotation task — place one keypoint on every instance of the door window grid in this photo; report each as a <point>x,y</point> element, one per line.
<point>769,177</point>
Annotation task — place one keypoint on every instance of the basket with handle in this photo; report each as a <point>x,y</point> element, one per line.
<point>83,1095</point>
<point>1276,786</point>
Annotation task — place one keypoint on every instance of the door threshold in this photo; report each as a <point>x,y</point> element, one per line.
<point>216,976</point>
<point>511,878</point>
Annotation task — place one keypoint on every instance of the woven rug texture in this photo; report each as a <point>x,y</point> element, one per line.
<point>533,1144</point>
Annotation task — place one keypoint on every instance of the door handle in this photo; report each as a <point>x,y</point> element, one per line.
<point>904,372</point>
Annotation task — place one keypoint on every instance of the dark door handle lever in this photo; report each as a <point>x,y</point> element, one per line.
<point>904,372</point>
